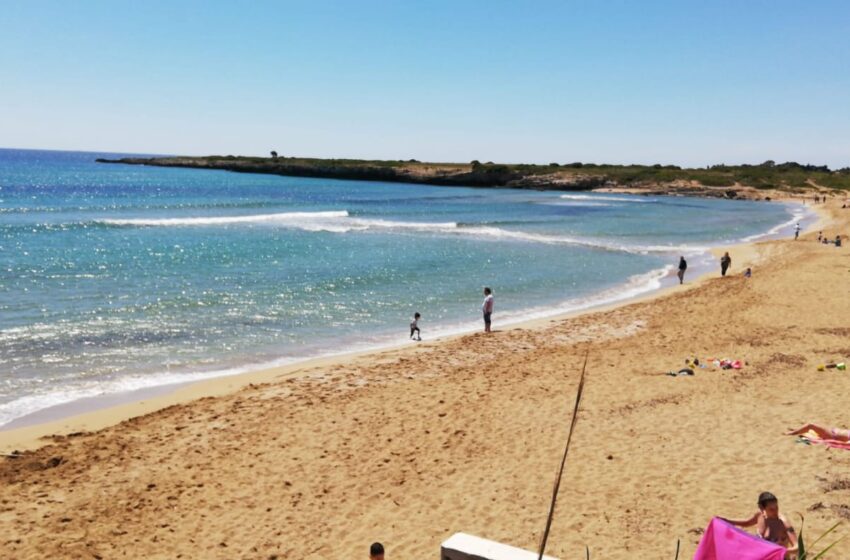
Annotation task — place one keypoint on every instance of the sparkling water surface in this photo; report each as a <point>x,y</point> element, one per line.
<point>117,277</point>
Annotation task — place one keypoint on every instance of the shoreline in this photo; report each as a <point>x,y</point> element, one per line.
<point>96,412</point>
<point>409,446</point>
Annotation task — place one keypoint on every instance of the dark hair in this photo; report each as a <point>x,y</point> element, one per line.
<point>765,498</point>
<point>487,290</point>
<point>375,549</point>
<point>416,315</point>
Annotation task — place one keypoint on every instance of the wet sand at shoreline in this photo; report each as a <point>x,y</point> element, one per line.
<point>409,446</point>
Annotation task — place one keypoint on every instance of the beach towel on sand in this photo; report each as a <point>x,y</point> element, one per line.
<point>722,541</point>
<point>811,437</point>
<point>829,443</point>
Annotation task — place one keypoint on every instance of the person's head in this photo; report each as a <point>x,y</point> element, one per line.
<point>376,551</point>
<point>487,291</point>
<point>769,505</point>
<point>416,315</point>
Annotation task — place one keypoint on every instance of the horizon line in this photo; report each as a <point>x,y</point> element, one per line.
<point>416,160</point>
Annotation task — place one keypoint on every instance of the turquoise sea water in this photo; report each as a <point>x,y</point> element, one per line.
<point>118,277</point>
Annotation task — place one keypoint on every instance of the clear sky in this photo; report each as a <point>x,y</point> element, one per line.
<point>689,82</point>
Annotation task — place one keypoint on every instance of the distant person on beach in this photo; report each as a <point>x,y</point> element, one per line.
<point>833,434</point>
<point>797,231</point>
<point>769,524</point>
<point>725,263</point>
<point>748,273</point>
<point>820,236</point>
<point>838,241</point>
<point>376,551</point>
<point>487,308</point>
<point>414,327</point>
<point>683,266</point>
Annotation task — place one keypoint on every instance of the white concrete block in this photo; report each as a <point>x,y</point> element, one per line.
<point>461,546</point>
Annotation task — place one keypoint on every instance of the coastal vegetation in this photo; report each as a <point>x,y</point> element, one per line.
<point>714,180</point>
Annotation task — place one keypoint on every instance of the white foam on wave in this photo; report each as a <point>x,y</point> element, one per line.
<point>86,389</point>
<point>37,404</point>
<point>295,218</point>
<point>798,215</point>
<point>581,203</point>
<point>500,233</point>
<point>603,198</point>
<point>342,222</point>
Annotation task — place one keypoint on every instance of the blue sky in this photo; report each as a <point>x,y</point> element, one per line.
<point>684,82</point>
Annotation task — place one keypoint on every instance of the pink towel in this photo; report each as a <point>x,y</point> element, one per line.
<point>828,442</point>
<point>723,541</point>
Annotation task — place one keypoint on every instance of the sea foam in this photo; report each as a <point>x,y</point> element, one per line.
<point>341,221</point>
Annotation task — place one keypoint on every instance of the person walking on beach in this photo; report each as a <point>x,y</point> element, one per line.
<point>683,266</point>
<point>487,308</point>
<point>797,231</point>
<point>414,327</point>
<point>725,263</point>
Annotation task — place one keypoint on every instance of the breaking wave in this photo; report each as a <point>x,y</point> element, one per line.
<point>603,198</point>
<point>340,221</point>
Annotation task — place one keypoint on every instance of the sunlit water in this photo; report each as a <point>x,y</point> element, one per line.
<point>119,277</point>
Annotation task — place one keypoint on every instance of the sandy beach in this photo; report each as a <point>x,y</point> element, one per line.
<point>409,446</point>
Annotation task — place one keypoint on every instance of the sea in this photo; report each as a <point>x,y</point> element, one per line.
<point>116,278</point>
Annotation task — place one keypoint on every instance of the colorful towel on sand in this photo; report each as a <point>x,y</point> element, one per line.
<point>723,541</point>
<point>830,443</point>
<point>811,437</point>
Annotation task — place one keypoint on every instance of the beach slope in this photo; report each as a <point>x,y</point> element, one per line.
<point>409,446</point>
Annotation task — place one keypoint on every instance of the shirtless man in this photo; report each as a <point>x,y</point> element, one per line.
<point>770,525</point>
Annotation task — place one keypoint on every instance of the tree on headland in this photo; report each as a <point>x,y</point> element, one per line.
<point>274,154</point>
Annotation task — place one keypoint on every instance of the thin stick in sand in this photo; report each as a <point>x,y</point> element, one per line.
<point>563,459</point>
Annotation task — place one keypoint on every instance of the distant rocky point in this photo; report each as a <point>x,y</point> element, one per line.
<point>745,181</point>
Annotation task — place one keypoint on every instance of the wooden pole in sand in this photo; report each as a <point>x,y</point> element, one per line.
<point>563,460</point>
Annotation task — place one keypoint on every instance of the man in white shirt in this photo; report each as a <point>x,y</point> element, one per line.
<point>487,308</point>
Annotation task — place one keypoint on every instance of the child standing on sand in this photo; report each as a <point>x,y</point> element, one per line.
<point>414,327</point>
<point>770,525</point>
<point>487,308</point>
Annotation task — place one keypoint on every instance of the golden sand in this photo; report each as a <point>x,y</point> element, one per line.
<point>410,445</point>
